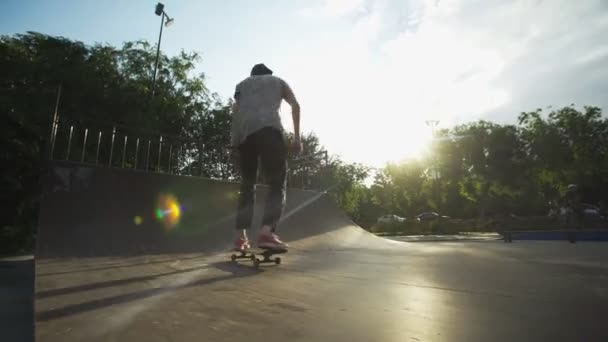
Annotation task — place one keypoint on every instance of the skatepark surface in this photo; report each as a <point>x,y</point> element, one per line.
<point>111,267</point>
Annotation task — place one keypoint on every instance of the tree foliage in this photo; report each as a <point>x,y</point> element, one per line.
<point>477,169</point>
<point>106,92</point>
<point>485,168</point>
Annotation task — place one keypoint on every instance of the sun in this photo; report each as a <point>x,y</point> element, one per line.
<point>362,124</point>
<point>416,142</point>
<point>397,143</point>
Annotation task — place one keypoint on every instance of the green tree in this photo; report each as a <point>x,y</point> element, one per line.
<point>311,166</point>
<point>107,91</point>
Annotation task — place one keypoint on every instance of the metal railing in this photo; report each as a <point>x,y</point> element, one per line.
<point>128,147</point>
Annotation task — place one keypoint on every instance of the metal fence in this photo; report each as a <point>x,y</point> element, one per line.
<point>122,146</point>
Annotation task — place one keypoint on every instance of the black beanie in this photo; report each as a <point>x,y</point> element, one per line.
<point>260,69</point>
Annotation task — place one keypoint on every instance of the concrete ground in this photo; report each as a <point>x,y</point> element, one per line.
<point>456,291</point>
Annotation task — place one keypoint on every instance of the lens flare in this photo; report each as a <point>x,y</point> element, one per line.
<point>175,210</point>
<point>168,211</point>
<point>138,220</point>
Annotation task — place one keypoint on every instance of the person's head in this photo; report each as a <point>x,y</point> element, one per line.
<point>260,69</point>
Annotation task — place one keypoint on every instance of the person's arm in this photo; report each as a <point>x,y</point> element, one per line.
<point>235,105</point>
<point>289,96</point>
<point>235,109</point>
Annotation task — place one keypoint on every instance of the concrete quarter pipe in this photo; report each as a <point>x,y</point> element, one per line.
<point>131,256</point>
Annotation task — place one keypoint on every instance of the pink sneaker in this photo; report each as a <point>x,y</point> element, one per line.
<point>241,244</point>
<point>271,241</point>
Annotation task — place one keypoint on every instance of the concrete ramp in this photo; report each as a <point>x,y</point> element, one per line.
<point>111,267</point>
<point>88,211</point>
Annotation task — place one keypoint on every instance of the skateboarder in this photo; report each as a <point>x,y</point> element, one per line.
<point>258,135</point>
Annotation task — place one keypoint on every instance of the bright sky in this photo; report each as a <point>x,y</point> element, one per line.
<point>368,73</point>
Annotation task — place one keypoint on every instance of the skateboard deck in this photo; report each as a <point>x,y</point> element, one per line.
<point>251,254</point>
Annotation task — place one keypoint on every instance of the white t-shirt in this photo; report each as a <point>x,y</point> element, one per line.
<point>259,100</point>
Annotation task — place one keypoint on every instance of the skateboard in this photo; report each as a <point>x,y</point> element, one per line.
<point>252,252</point>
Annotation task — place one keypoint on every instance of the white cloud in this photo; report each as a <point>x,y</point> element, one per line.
<point>342,7</point>
<point>595,55</point>
<point>368,27</point>
<point>403,62</point>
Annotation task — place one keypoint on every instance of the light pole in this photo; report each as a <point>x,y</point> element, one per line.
<point>160,11</point>
<point>433,124</point>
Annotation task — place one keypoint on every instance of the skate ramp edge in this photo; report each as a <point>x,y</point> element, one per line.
<point>89,211</point>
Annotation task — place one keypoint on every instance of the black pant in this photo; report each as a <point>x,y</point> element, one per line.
<point>268,146</point>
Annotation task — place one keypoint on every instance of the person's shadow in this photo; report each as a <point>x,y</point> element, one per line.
<point>231,270</point>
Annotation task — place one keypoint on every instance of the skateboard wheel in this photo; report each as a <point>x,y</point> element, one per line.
<point>256,263</point>
<point>277,260</point>
<point>233,257</point>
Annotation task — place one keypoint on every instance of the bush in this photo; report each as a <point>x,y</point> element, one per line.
<point>439,226</point>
